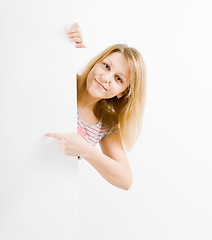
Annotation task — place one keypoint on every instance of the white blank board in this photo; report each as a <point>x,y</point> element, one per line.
<point>38,183</point>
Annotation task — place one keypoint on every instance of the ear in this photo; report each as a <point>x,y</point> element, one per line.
<point>121,94</point>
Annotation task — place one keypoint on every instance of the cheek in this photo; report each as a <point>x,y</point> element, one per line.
<point>95,70</point>
<point>92,73</point>
<point>89,77</point>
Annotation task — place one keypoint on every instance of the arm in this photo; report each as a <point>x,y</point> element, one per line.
<point>112,162</point>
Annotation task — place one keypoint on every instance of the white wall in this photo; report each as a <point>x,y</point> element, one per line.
<point>38,184</point>
<point>171,194</point>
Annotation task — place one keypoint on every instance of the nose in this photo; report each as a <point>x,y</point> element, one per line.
<point>106,77</point>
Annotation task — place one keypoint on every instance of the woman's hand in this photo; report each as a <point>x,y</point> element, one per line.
<point>71,144</point>
<point>75,35</point>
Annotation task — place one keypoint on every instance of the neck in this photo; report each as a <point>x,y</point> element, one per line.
<point>87,101</point>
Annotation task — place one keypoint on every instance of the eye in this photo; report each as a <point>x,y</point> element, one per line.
<point>119,79</point>
<point>106,65</point>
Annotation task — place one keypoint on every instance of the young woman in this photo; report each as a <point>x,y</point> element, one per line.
<point>110,100</point>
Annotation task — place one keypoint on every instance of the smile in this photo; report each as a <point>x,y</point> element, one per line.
<point>100,85</point>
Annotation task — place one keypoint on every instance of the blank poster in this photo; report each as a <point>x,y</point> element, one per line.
<point>38,183</point>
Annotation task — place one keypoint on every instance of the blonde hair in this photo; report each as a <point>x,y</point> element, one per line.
<point>126,111</point>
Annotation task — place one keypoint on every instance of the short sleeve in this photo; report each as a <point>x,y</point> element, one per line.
<point>111,131</point>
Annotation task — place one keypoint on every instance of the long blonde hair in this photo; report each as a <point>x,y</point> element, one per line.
<point>126,111</point>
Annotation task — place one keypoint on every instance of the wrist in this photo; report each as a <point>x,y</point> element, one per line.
<point>88,151</point>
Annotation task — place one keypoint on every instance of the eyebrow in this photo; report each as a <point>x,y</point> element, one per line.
<point>112,66</point>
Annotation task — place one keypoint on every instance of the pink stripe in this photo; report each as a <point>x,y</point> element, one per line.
<point>87,130</point>
<point>92,140</point>
<point>101,130</point>
<point>94,137</point>
<point>100,133</point>
<point>96,126</point>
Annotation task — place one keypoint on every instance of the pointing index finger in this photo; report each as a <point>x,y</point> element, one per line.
<point>55,135</point>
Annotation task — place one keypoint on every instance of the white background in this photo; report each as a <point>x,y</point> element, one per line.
<point>171,193</point>
<point>38,184</point>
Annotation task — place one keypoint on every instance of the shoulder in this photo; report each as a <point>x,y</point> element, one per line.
<point>108,131</point>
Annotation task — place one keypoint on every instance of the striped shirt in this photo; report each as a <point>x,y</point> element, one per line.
<point>94,133</point>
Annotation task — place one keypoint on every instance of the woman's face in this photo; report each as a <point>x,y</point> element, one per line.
<point>110,77</point>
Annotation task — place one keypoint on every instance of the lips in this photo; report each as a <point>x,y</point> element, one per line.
<point>100,84</point>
